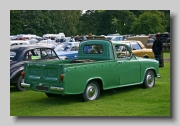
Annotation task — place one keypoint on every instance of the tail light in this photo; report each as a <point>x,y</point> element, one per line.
<point>62,77</point>
<point>22,74</point>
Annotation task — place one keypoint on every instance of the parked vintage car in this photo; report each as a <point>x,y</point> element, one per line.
<point>98,67</point>
<point>25,53</point>
<point>19,42</point>
<point>115,38</point>
<point>67,50</point>
<point>139,49</point>
<point>51,44</point>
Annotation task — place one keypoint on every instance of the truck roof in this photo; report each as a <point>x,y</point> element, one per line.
<point>102,41</point>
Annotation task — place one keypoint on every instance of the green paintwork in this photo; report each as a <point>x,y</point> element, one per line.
<point>108,70</point>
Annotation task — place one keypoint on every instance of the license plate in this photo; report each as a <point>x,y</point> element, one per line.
<point>42,88</point>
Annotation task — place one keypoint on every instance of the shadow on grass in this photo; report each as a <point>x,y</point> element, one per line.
<point>119,90</point>
<point>61,100</point>
<point>13,89</point>
<point>71,99</point>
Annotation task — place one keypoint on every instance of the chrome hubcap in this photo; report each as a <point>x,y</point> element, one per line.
<point>150,79</point>
<point>91,92</point>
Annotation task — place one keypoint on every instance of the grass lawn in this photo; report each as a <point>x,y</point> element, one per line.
<point>166,54</point>
<point>125,101</point>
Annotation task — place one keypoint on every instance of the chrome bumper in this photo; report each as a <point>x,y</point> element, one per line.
<point>56,88</point>
<point>51,88</point>
<point>25,85</point>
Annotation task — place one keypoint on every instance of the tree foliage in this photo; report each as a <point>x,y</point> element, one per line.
<point>148,22</point>
<point>98,22</point>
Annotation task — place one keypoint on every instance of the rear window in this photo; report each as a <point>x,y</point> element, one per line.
<point>93,49</point>
<point>12,56</point>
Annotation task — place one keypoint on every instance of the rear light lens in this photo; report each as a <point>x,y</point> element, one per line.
<point>62,77</point>
<point>22,74</point>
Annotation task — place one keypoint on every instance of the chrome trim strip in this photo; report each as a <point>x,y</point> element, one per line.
<point>129,84</point>
<point>25,85</point>
<point>56,88</point>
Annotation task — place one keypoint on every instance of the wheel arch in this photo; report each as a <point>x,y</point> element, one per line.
<point>16,75</point>
<point>98,80</point>
<point>154,71</point>
<point>145,56</point>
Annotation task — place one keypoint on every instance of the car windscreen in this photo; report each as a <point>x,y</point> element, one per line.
<point>12,56</point>
<point>63,47</point>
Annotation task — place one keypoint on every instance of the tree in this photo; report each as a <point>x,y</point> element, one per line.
<point>16,23</point>
<point>148,22</point>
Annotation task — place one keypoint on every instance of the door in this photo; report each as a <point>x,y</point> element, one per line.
<point>128,67</point>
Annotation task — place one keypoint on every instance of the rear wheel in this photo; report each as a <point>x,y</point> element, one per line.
<point>92,91</point>
<point>149,79</point>
<point>50,95</point>
<point>18,84</point>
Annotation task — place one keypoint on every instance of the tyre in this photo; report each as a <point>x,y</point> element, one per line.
<point>149,79</point>
<point>50,95</point>
<point>18,84</point>
<point>92,91</point>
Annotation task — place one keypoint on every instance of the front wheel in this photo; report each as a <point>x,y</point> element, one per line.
<point>92,91</point>
<point>149,79</point>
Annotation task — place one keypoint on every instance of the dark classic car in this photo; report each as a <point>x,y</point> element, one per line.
<point>25,53</point>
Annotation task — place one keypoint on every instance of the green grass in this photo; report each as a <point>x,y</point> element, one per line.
<point>166,54</point>
<point>125,101</point>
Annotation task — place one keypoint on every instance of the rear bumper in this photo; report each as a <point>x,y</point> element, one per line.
<point>53,88</point>
<point>25,85</point>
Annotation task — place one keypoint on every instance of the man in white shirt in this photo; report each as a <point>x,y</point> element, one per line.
<point>49,40</point>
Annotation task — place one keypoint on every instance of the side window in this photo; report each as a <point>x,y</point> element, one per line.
<point>33,54</point>
<point>116,39</point>
<point>50,54</point>
<point>44,54</point>
<point>120,38</point>
<point>122,52</point>
<point>74,48</point>
<point>14,44</point>
<point>136,46</point>
<point>93,49</point>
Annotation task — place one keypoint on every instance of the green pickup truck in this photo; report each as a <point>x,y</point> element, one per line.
<point>101,65</point>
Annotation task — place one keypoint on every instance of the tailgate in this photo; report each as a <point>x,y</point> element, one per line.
<point>42,73</point>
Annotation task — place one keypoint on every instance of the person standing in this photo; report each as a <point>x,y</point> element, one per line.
<point>77,38</point>
<point>49,40</point>
<point>157,49</point>
<point>72,39</point>
<point>84,38</point>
